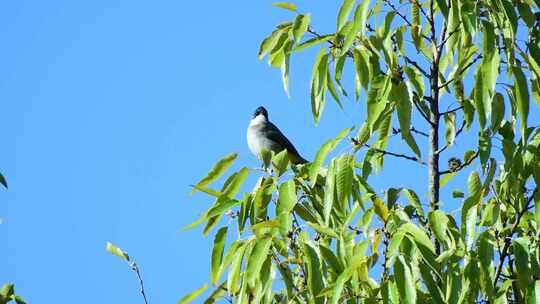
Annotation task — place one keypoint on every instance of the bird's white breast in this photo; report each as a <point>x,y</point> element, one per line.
<point>254,139</point>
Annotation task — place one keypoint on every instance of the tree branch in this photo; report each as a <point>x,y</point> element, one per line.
<point>460,72</point>
<point>416,65</point>
<point>332,44</point>
<point>451,111</point>
<point>444,40</point>
<point>412,129</point>
<point>468,162</point>
<point>384,152</point>
<point>135,268</point>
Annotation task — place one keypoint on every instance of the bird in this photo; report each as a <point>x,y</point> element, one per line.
<point>263,134</point>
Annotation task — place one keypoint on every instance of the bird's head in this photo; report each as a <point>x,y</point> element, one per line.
<point>260,111</point>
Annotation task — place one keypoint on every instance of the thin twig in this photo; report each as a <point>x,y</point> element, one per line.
<point>451,111</point>
<point>460,72</point>
<point>455,30</point>
<point>412,129</point>
<point>384,152</point>
<point>468,162</point>
<point>135,268</point>
<point>416,65</point>
<point>417,106</point>
<point>332,44</point>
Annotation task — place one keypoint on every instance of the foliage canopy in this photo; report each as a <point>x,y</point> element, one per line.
<point>323,234</point>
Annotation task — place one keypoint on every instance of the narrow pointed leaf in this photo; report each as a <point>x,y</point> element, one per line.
<point>216,171</point>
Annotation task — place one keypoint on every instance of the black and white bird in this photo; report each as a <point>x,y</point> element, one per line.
<point>262,134</point>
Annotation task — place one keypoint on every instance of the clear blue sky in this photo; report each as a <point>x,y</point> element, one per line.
<point>110,110</point>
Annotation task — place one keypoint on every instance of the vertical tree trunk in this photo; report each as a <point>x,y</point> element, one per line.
<point>433,163</point>
<point>434,117</point>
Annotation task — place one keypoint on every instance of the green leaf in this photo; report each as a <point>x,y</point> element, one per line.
<point>484,146</point>
<point>522,99</point>
<point>338,71</point>
<point>233,184</point>
<point>457,194</point>
<point>216,171</point>
<point>7,291</point>
<point>270,42</point>
<point>520,248</point>
<point>315,280</point>
<point>300,26</point>
<point>380,208</point>
<point>446,178</point>
<point>231,253</point>
<point>117,251</point>
<point>285,67</point>
<point>344,180</point>
<point>208,191</point>
<point>218,293</point>
<point>322,229</point>
<point>471,216</point>
<point>414,201</point>
<point>217,254</point>
<point>256,259</point>
<point>404,281</point>
<point>420,237</point>
<point>3,181</point>
<point>343,278</point>
<point>404,109</point>
<point>285,5</point>
<point>438,221</point>
<point>497,112</point>
<point>358,25</point>
<point>377,98</point>
<point>330,190</point>
<point>330,258</point>
<point>280,162</point>
<point>236,266</point>
<point>486,75</point>
<point>325,149</point>
<point>319,84</point>
<point>361,63</point>
<point>343,14</point>
<point>287,197</point>
<point>192,296</point>
<point>222,204</point>
<point>311,42</point>
<point>416,79</point>
<point>474,184</point>
<point>450,124</point>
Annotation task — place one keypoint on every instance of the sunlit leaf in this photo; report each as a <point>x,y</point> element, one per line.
<point>257,258</point>
<point>192,296</point>
<point>217,254</point>
<point>325,149</point>
<point>522,98</point>
<point>285,5</point>
<point>216,171</point>
<point>404,281</point>
<point>117,251</point>
<point>300,26</point>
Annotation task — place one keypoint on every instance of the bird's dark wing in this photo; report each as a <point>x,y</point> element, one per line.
<point>275,135</point>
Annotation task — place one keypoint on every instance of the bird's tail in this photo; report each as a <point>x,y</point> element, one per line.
<point>297,159</point>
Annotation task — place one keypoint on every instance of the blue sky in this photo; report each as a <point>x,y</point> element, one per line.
<point>110,110</point>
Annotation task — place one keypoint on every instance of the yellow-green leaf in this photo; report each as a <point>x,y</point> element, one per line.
<point>117,251</point>
<point>190,297</point>
<point>216,171</point>
<point>285,5</point>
